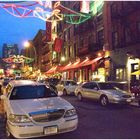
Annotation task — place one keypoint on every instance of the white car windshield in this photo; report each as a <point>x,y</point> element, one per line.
<point>31,92</point>
<point>106,86</point>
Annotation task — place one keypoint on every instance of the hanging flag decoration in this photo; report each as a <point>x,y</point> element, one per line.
<point>76,18</point>
<point>18,59</point>
<point>58,44</point>
<point>23,9</point>
<point>44,10</point>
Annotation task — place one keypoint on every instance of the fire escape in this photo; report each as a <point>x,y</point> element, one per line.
<point>121,15</point>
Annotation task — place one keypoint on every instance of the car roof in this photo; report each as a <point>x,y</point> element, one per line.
<point>24,82</point>
<point>67,80</point>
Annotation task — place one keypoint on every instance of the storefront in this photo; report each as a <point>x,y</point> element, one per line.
<point>82,70</point>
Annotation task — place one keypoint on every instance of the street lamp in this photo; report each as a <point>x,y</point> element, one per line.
<point>28,44</point>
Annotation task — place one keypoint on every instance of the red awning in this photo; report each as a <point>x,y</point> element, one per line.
<point>52,70</point>
<point>90,62</point>
<point>77,65</point>
<point>66,67</point>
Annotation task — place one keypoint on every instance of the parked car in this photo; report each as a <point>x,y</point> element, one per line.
<point>67,87</point>
<point>33,110</point>
<point>104,92</point>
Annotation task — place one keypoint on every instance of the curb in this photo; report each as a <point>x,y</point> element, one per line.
<point>134,104</point>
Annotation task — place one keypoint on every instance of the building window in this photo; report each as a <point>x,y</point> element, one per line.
<point>81,42</point>
<point>127,35</point>
<point>75,30</point>
<point>74,52</point>
<point>54,55</point>
<point>71,48</point>
<point>115,39</point>
<point>64,51</point>
<point>90,39</point>
<point>138,26</point>
<point>85,41</point>
<point>66,36</point>
<point>68,51</point>
<point>68,33</point>
<point>101,38</point>
<point>120,74</point>
<point>100,19</point>
<point>113,8</point>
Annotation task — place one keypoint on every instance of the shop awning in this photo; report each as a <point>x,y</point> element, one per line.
<point>79,64</point>
<point>90,62</point>
<point>52,70</point>
<point>67,67</point>
<point>136,73</point>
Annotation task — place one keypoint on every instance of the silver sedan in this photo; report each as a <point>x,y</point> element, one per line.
<point>103,92</point>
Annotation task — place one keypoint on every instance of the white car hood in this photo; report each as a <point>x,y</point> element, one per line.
<point>34,105</point>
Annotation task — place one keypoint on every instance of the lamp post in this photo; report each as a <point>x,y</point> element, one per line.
<point>28,44</point>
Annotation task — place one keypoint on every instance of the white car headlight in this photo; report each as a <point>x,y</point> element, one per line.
<point>19,118</point>
<point>70,113</point>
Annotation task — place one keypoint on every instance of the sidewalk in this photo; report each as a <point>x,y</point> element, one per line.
<point>1,108</point>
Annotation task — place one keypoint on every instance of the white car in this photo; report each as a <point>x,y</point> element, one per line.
<point>67,87</point>
<point>33,110</point>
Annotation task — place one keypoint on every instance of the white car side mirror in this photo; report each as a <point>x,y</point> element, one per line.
<point>3,97</point>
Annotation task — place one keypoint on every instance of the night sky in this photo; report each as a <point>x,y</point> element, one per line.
<point>15,30</point>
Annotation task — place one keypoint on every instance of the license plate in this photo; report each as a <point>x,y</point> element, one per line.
<point>128,100</point>
<point>50,130</point>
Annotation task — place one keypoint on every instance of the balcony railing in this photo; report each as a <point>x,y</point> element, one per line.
<point>127,8</point>
<point>45,50</point>
<point>90,48</point>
